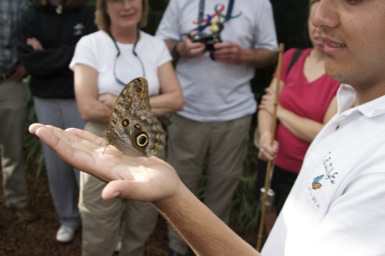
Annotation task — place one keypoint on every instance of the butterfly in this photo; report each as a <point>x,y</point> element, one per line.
<point>133,128</point>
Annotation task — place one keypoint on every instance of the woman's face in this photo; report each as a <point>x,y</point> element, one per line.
<point>124,14</point>
<point>314,32</point>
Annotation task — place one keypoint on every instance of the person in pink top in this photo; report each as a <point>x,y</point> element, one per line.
<point>306,102</point>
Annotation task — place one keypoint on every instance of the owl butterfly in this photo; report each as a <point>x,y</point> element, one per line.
<point>133,128</point>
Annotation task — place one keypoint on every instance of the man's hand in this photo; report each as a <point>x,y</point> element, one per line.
<point>35,44</point>
<point>18,72</point>
<point>189,49</point>
<point>137,178</point>
<point>227,52</point>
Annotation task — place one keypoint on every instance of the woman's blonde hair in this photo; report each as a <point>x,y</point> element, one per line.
<point>67,4</point>
<point>103,21</point>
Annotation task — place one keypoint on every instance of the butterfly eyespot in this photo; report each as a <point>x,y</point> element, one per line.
<point>142,140</point>
<point>138,89</point>
<point>138,126</point>
<point>125,122</point>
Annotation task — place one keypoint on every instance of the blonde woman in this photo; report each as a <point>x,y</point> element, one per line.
<point>104,62</point>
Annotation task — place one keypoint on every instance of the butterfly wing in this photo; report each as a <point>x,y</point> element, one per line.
<point>133,128</point>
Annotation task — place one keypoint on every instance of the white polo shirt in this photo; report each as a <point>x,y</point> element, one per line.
<point>337,205</point>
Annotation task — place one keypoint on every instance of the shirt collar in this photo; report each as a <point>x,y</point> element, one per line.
<point>346,96</point>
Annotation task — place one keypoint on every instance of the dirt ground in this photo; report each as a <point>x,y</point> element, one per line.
<point>18,238</point>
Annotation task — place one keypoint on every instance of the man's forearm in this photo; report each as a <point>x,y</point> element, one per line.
<point>201,228</point>
<point>258,58</point>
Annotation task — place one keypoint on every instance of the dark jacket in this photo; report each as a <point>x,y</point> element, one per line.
<point>58,34</point>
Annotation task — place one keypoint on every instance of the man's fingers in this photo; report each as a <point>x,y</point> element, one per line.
<point>116,189</point>
<point>33,127</point>
<point>45,133</point>
<point>71,148</point>
<point>88,136</point>
<point>126,189</point>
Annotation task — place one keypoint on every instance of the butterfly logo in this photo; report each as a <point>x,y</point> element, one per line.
<point>316,182</point>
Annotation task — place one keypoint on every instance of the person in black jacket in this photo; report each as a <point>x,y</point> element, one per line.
<point>46,40</point>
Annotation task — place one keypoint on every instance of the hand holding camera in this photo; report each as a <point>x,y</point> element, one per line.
<point>228,52</point>
<point>195,44</point>
<point>209,39</point>
<point>188,49</point>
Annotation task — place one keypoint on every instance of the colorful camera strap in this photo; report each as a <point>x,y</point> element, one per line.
<point>214,20</point>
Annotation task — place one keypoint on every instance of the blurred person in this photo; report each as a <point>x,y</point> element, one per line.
<point>13,112</point>
<point>47,38</point>
<point>217,45</point>
<point>307,102</point>
<point>104,62</point>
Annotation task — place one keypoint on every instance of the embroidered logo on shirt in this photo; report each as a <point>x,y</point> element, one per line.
<point>316,182</point>
<point>78,29</point>
<point>330,173</point>
<point>322,184</point>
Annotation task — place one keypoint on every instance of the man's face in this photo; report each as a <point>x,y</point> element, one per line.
<point>354,40</point>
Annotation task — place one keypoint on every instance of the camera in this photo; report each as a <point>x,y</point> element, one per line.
<point>209,39</point>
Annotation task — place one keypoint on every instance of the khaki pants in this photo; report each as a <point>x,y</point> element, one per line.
<point>13,113</point>
<point>219,149</point>
<point>105,221</point>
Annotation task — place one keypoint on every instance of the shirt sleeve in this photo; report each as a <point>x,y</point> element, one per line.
<point>169,27</point>
<point>165,55</point>
<point>265,35</point>
<point>85,53</point>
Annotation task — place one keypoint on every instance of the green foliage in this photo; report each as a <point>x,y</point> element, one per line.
<point>245,209</point>
<point>91,2</point>
<point>157,8</point>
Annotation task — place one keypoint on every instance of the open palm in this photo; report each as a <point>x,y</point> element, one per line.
<point>138,178</point>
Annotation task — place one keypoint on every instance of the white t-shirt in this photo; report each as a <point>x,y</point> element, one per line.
<point>337,205</point>
<point>98,51</point>
<point>215,91</point>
